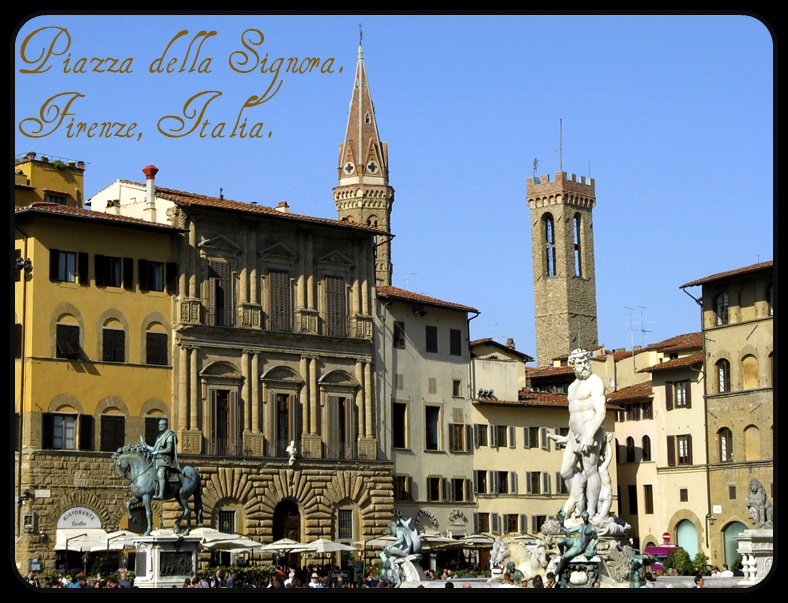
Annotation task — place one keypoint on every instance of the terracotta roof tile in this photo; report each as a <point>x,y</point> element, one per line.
<point>683,362</point>
<point>192,199</point>
<point>76,212</point>
<point>688,341</point>
<point>639,390</point>
<point>417,297</point>
<point>729,273</point>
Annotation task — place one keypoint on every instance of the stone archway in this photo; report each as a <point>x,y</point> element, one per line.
<point>286,521</point>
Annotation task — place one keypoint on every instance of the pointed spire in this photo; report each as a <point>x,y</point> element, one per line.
<point>362,156</point>
<point>363,194</point>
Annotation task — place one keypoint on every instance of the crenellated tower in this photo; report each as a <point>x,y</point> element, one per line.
<point>363,194</point>
<point>562,241</point>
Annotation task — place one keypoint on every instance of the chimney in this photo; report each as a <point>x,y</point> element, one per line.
<point>510,343</point>
<point>150,189</point>
<point>283,207</point>
<point>113,206</point>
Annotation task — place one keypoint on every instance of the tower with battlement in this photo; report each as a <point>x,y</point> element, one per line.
<point>562,242</point>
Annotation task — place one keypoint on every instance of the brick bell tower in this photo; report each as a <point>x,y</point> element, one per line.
<point>363,194</point>
<point>562,241</point>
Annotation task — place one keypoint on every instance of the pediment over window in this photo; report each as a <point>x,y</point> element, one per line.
<point>336,259</point>
<point>221,370</point>
<point>219,245</point>
<point>282,374</point>
<point>338,378</point>
<point>279,251</point>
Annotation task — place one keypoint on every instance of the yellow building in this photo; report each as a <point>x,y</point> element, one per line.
<point>92,360</point>
<point>50,181</point>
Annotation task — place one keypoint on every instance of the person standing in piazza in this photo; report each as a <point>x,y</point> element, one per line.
<point>165,456</point>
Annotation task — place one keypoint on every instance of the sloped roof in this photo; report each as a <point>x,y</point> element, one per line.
<point>490,341</point>
<point>402,294</point>
<point>633,392</point>
<point>65,211</point>
<point>728,274</point>
<point>676,363</point>
<point>687,341</point>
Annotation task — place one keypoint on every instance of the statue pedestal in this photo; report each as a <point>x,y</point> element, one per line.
<point>412,574</point>
<point>581,572</point>
<point>757,550</point>
<point>165,560</point>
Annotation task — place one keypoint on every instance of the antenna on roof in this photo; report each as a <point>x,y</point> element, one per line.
<point>360,34</point>
<point>536,162</point>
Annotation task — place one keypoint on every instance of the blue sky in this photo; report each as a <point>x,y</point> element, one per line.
<point>671,115</point>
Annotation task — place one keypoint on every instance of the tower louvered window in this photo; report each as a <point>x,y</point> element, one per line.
<point>549,245</point>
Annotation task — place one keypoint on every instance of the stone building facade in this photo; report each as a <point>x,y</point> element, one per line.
<point>737,317</point>
<point>562,243</point>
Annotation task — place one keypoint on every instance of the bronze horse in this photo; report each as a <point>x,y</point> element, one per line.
<point>134,462</point>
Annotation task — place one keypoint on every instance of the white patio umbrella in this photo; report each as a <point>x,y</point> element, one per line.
<point>285,545</point>
<point>115,541</point>
<point>324,545</point>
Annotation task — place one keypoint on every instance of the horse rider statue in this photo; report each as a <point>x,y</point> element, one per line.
<point>165,456</point>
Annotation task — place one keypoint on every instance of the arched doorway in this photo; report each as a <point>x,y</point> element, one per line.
<point>731,545</point>
<point>687,537</point>
<point>287,524</point>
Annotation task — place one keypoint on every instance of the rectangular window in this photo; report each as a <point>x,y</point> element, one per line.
<point>531,437</point>
<point>480,479</point>
<point>648,499</point>
<point>151,429</point>
<point>533,482</point>
<point>511,523</point>
<point>501,435</point>
<point>632,496</point>
<point>455,342</point>
<point>279,301</point>
<point>456,388</point>
<point>113,432</point>
<point>683,495</point>
<point>458,487</point>
<point>682,394</point>
<point>156,348</point>
<point>219,290</point>
<point>345,524</point>
<point>434,489</point>
<point>67,342</point>
<point>432,339</point>
<point>58,432</point>
<point>684,450</point>
<point>732,492</point>
<point>227,521</point>
<point>109,271</point>
<point>50,198</point>
<point>400,419</point>
<point>399,334</point>
<point>151,275</point>
<point>646,411</point>
<point>432,427</point>
<point>502,482</point>
<point>480,435</point>
<point>402,488</point>
<point>483,521</point>
<point>336,310</point>
<point>457,437</point>
<point>65,266</point>
<point>113,345</point>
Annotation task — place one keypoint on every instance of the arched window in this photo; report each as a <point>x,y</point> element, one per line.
<point>630,450</point>
<point>749,372</point>
<point>752,443</point>
<point>549,245</point>
<point>578,251</point>
<point>725,443</point>
<point>723,376</point>
<point>721,309</point>
<point>769,300</point>
<point>646,448</point>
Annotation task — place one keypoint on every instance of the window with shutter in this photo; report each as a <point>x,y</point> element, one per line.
<point>113,345</point>
<point>219,302</point>
<point>156,348</point>
<point>86,432</point>
<point>431,335</point>
<point>67,342</point>
<point>279,301</point>
<point>113,432</point>
<point>455,342</point>
<point>671,449</point>
<point>336,308</point>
